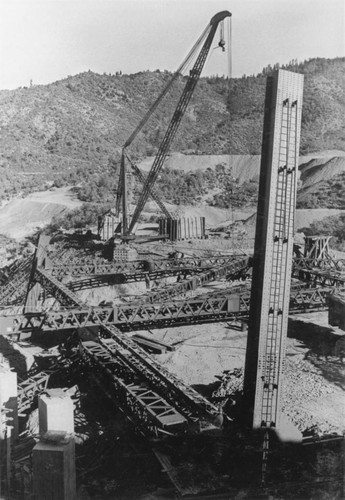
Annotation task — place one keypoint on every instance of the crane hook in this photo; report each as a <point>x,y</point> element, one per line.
<point>221,42</point>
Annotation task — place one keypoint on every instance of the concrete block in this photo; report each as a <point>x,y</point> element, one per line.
<point>8,384</point>
<point>55,409</point>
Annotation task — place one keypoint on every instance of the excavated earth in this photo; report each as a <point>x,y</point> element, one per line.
<point>314,385</point>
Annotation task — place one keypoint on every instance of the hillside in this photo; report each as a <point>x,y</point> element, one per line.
<point>70,132</point>
<point>21,217</point>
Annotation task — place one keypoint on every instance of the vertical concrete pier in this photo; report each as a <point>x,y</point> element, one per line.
<point>53,460</point>
<point>8,396</point>
<point>8,424</point>
<point>53,457</point>
<point>270,293</point>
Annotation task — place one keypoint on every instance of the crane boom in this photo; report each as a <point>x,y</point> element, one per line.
<point>153,193</point>
<point>178,115</point>
<point>121,194</point>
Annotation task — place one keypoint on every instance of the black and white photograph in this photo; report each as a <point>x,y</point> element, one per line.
<point>172,250</point>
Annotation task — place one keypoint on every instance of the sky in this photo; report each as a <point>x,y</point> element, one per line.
<point>46,40</point>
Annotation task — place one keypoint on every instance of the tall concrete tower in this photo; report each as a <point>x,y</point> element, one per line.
<point>267,331</point>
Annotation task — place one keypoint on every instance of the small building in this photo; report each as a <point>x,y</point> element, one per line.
<point>108,225</point>
<point>184,228</point>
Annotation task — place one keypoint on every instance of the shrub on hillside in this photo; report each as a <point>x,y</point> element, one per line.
<point>333,225</point>
<point>85,216</point>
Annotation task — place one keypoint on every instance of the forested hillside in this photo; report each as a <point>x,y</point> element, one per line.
<point>71,131</point>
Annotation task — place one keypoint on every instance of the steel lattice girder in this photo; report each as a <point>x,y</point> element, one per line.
<point>231,271</point>
<point>190,402</point>
<point>30,387</point>
<point>218,308</point>
<point>38,381</point>
<point>319,276</point>
<point>185,311</point>
<point>57,289</point>
<point>131,267</point>
<point>116,279</point>
<point>141,404</point>
<point>13,288</point>
<point>329,263</point>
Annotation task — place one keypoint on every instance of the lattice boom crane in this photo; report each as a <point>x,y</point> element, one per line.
<point>207,37</point>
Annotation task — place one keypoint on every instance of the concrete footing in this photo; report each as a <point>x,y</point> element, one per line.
<point>287,432</point>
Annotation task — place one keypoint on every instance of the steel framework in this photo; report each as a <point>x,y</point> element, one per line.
<point>232,271</point>
<point>219,307</point>
<point>14,282</point>
<point>319,277</point>
<point>146,409</point>
<point>38,380</point>
<point>58,290</point>
<point>102,267</point>
<point>189,402</point>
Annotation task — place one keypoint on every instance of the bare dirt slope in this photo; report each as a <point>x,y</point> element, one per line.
<point>304,218</point>
<point>315,167</point>
<point>321,169</point>
<point>22,216</point>
<point>243,167</point>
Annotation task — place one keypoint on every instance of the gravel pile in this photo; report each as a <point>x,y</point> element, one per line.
<point>311,399</point>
